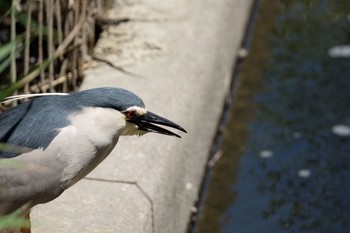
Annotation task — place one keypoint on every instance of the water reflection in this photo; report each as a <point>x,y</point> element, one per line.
<point>294,175</point>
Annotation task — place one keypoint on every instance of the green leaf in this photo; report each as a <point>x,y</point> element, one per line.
<point>5,50</point>
<point>13,221</point>
<point>4,64</point>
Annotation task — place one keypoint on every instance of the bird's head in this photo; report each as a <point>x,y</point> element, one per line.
<point>138,119</point>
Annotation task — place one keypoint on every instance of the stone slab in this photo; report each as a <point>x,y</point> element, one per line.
<point>177,55</point>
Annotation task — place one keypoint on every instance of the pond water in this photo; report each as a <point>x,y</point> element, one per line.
<point>285,164</point>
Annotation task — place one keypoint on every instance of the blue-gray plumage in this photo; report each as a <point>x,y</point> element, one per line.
<point>34,123</point>
<point>63,138</point>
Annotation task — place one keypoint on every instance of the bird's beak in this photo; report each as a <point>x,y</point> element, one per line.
<point>144,123</point>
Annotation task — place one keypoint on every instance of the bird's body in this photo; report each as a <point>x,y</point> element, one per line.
<point>74,152</point>
<point>55,141</point>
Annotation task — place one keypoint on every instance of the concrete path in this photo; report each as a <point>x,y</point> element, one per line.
<point>178,55</point>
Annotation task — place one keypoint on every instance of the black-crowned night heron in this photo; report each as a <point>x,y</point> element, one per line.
<point>54,141</point>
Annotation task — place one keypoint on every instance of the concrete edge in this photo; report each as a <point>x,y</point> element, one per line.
<point>179,62</point>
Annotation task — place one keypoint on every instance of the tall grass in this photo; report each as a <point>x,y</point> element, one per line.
<point>50,39</point>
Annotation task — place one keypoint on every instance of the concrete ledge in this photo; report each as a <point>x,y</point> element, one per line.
<point>99,207</point>
<point>180,54</point>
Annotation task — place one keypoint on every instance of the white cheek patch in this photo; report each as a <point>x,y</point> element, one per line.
<point>140,111</point>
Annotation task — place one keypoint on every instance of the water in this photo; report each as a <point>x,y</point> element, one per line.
<point>286,153</point>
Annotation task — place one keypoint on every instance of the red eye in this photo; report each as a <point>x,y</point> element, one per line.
<point>130,114</point>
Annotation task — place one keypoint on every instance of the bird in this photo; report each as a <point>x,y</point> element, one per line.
<point>53,141</point>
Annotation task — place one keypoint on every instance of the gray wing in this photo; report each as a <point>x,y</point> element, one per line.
<point>27,180</point>
<point>33,124</point>
<point>10,119</point>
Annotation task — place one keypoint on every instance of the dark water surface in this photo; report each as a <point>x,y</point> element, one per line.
<point>286,154</point>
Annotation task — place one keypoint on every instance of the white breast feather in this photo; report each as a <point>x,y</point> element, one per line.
<point>89,139</point>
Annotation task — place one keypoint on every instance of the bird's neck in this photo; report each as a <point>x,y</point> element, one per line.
<point>87,141</point>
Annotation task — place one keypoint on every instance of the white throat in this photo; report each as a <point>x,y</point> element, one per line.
<point>85,143</point>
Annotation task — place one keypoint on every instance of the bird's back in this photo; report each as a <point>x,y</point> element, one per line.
<point>33,124</point>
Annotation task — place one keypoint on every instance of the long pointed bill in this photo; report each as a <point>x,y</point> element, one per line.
<point>144,123</point>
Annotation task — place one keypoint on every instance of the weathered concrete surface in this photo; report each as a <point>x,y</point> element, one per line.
<point>181,53</point>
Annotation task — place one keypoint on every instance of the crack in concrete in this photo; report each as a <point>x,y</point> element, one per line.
<point>116,67</point>
<point>131,183</point>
